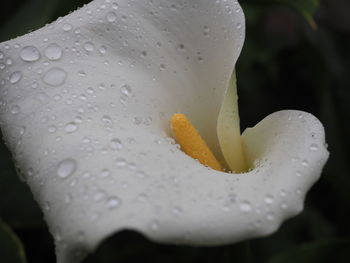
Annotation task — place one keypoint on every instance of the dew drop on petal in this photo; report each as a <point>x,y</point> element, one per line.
<point>103,50</point>
<point>305,163</point>
<point>120,162</point>
<point>154,226</point>
<point>52,128</point>
<point>111,17</point>
<point>15,109</point>
<point>313,147</point>
<point>283,193</point>
<point>113,202</point>
<point>30,54</point>
<point>89,46</point>
<point>115,6</point>
<point>55,77</point>
<point>71,127</point>
<point>181,47</point>
<point>177,210</point>
<point>268,199</point>
<point>284,205</point>
<point>270,216</point>
<point>245,206</point>
<point>105,173</point>
<point>107,121</point>
<point>66,168</point>
<point>99,195</point>
<point>67,27</point>
<point>116,144</point>
<point>53,52</point>
<point>126,90</point>
<point>15,77</point>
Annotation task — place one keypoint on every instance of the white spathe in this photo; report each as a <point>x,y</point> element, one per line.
<point>85,109</point>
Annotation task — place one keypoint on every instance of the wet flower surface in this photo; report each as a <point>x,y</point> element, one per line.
<point>85,109</point>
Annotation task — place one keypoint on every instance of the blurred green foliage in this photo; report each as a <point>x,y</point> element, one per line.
<point>296,55</point>
<point>11,248</point>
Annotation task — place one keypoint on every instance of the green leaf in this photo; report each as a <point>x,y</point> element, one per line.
<point>11,248</point>
<point>331,250</point>
<point>305,7</point>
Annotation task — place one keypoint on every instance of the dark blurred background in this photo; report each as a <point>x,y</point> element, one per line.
<point>296,56</point>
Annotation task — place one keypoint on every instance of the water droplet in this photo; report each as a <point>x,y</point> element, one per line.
<point>298,191</point>
<point>35,85</point>
<point>107,120</point>
<point>15,109</point>
<point>42,97</point>
<point>120,162</point>
<point>113,202</point>
<point>81,73</point>
<point>111,17</point>
<point>55,77</point>
<point>284,205</point>
<point>154,226</point>
<point>105,173</point>
<point>126,90</point>
<point>71,127</point>
<point>52,128</point>
<point>15,77</point>
<point>30,54</point>
<point>103,50</point>
<point>270,216</point>
<point>47,206</point>
<point>314,147</point>
<point>268,199</point>
<point>181,47</point>
<point>9,61</point>
<point>53,52</point>
<point>140,174</point>
<point>116,145</point>
<point>1,55</point>
<point>177,211</point>
<point>22,130</point>
<point>245,206</point>
<point>144,53</point>
<point>99,195</point>
<point>206,31</point>
<point>283,193</point>
<point>305,163</point>
<point>66,168</point>
<point>67,27</point>
<point>89,46</point>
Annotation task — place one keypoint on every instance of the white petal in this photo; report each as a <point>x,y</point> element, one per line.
<point>229,131</point>
<point>87,122</point>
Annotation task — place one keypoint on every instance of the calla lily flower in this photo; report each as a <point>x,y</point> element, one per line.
<point>85,109</point>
